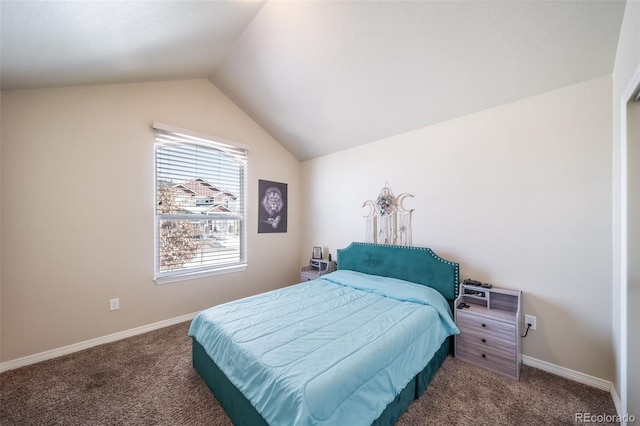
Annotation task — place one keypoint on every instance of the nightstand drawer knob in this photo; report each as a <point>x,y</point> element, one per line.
<point>484,356</point>
<point>484,340</point>
<point>484,325</point>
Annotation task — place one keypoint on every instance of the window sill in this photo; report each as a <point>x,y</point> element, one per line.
<point>201,274</point>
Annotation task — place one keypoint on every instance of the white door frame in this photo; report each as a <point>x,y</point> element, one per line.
<point>627,95</point>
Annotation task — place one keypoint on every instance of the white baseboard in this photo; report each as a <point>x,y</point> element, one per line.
<point>576,376</point>
<point>567,373</point>
<point>76,347</point>
<point>617,403</point>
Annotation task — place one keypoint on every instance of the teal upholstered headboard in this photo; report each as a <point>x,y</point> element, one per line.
<point>416,264</point>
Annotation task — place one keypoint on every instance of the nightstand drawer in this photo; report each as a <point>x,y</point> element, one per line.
<point>488,357</point>
<point>485,326</point>
<point>308,276</point>
<point>497,344</point>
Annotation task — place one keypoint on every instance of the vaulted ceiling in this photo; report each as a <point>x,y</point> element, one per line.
<point>319,76</point>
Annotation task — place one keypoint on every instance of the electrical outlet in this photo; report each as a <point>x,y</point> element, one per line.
<point>530,319</point>
<point>114,304</point>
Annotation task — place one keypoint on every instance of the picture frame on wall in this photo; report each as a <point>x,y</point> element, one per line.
<point>273,206</point>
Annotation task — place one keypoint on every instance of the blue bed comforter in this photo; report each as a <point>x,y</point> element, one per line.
<point>332,351</point>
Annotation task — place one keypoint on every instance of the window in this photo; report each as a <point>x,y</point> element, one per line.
<point>200,192</point>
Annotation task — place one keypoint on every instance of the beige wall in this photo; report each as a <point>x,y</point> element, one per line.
<point>519,195</point>
<point>77,211</point>
<point>627,63</point>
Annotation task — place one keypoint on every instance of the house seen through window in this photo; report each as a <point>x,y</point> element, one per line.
<point>200,205</point>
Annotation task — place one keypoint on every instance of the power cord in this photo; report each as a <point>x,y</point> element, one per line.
<point>527,331</point>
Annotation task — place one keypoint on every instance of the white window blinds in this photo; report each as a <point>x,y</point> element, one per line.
<point>200,196</point>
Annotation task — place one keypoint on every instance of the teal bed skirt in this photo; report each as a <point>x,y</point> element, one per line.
<point>242,413</point>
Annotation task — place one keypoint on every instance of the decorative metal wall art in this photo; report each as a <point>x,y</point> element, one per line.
<point>388,222</point>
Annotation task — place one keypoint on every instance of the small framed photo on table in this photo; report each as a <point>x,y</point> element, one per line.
<point>317,253</point>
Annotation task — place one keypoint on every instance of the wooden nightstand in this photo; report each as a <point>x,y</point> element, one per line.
<point>315,268</point>
<point>489,329</point>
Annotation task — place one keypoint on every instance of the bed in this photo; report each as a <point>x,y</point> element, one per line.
<point>355,346</point>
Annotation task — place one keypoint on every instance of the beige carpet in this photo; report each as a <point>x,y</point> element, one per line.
<point>148,380</point>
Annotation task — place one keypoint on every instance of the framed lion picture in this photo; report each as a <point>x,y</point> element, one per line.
<point>273,207</point>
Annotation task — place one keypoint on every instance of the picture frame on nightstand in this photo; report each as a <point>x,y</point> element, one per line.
<point>316,253</point>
